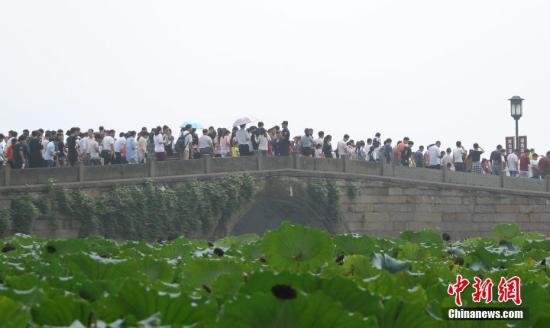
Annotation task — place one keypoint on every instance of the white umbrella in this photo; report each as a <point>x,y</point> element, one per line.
<point>244,120</point>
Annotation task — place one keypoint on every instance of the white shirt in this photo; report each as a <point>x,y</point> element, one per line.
<point>82,144</point>
<point>341,148</point>
<point>262,143</point>
<point>512,162</point>
<point>49,153</point>
<point>205,141</point>
<point>93,148</point>
<point>187,140</point>
<point>159,146</point>
<point>44,145</point>
<point>447,159</point>
<point>533,164</point>
<point>319,141</point>
<point>119,143</point>
<point>107,143</point>
<point>242,137</point>
<point>142,146</point>
<point>457,155</point>
<point>306,141</point>
<point>434,153</point>
<point>2,151</point>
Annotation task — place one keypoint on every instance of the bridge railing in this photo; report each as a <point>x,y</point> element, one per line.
<point>40,176</point>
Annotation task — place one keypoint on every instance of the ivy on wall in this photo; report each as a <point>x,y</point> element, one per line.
<point>149,211</point>
<point>5,223</point>
<point>326,196</point>
<point>23,212</point>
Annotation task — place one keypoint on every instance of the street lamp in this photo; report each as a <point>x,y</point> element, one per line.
<point>516,110</point>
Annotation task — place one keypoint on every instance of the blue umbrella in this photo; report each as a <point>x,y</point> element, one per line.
<point>194,125</point>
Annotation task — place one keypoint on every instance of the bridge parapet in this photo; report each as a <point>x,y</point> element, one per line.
<point>43,176</point>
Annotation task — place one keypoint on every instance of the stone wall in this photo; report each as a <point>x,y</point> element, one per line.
<point>153,169</point>
<point>385,200</point>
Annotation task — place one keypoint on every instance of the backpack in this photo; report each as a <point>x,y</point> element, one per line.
<point>376,143</point>
<point>180,143</point>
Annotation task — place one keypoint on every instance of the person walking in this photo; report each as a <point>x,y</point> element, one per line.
<point>263,144</point>
<point>93,149</point>
<point>142,146</point>
<point>475,157</point>
<point>72,144</point>
<point>306,143</point>
<point>158,142</point>
<point>419,157</point>
<point>544,166</point>
<point>243,140</point>
<point>399,149</point>
<point>434,155</point>
<point>459,154</point>
<point>512,162</point>
<point>131,148</point>
<point>2,147</point>
<point>387,151</point>
<point>284,143</point>
<point>50,152</point>
<point>108,147</point>
<point>406,153</point>
<point>327,146</point>
<point>496,160</point>
<point>205,144</point>
<point>18,153</point>
<point>119,144</point>
<point>524,164</point>
<point>341,146</point>
<point>319,140</point>
<point>35,149</point>
<point>447,159</point>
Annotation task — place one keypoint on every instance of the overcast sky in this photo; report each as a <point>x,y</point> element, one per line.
<point>427,69</point>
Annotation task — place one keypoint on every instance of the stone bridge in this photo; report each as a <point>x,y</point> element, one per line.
<point>373,199</point>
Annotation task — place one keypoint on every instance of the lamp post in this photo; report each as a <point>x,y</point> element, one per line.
<point>516,110</point>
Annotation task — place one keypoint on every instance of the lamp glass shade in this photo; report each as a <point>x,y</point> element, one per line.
<point>516,109</point>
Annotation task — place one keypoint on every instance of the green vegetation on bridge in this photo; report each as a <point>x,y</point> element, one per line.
<point>292,277</point>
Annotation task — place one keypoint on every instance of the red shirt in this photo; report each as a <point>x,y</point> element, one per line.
<point>9,153</point>
<point>544,165</point>
<point>524,163</point>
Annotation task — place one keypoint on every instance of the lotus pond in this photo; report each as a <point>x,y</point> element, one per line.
<point>294,276</point>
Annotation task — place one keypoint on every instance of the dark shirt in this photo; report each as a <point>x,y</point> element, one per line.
<point>60,147</point>
<point>327,150</point>
<point>286,134</point>
<point>496,156</point>
<point>387,152</point>
<point>419,158</point>
<point>35,150</point>
<point>26,151</point>
<point>475,155</point>
<point>71,145</point>
<point>17,159</point>
<point>524,163</point>
<point>544,164</point>
<point>406,155</point>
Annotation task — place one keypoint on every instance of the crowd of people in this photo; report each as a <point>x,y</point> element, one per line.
<point>60,148</point>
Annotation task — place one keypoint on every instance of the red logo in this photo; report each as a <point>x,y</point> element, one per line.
<point>509,290</point>
<point>484,290</point>
<point>457,288</point>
